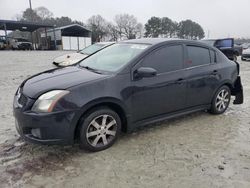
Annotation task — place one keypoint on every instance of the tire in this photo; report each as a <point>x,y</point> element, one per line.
<point>221,100</point>
<point>242,59</point>
<point>99,129</point>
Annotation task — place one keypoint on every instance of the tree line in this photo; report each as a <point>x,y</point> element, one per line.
<point>165,27</point>
<point>124,26</point>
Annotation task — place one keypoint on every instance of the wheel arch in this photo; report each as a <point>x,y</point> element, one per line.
<point>112,103</point>
<point>226,83</point>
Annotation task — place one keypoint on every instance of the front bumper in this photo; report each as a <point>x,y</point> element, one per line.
<point>49,128</point>
<point>24,47</point>
<point>245,57</point>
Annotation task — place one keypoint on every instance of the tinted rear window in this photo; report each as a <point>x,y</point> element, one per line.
<point>198,56</point>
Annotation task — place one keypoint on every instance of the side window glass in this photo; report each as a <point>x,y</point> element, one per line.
<point>198,56</point>
<point>166,59</point>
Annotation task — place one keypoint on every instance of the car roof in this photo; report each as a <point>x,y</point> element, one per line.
<point>208,39</point>
<point>105,43</point>
<point>150,40</point>
<point>154,41</point>
<point>217,39</point>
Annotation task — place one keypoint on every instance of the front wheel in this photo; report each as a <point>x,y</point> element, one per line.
<point>221,100</point>
<point>100,129</point>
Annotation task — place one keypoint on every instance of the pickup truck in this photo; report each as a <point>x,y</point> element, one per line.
<point>238,49</point>
<point>226,46</point>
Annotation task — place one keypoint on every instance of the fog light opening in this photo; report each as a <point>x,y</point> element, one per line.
<point>36,133</point>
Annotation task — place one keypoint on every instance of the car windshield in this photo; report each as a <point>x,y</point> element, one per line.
<point>92,49</point>
<point>113,57</point>
<point>209,42</point>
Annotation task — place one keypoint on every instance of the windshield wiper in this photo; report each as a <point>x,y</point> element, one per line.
<point>83,53</point>
<point>91,69</point>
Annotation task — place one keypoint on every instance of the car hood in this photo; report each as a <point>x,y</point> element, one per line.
<point>74,57</point>
<point>246,51</point>
<point>61,78</point>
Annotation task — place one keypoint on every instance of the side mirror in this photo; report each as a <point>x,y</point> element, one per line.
<point>144,72</point>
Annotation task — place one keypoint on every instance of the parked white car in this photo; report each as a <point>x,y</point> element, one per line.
<point>245,45</point>
<point>73,58</point>
<point>245,54</point>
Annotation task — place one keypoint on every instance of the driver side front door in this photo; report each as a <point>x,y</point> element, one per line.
<point>166,91</point>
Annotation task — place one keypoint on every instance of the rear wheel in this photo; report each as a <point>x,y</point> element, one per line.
<point>221,100</point>
<point>100,129</point>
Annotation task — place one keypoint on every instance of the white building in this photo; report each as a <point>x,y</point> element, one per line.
<point>70,37</point>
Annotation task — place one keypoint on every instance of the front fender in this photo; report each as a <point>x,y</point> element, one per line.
<point>98,102</point>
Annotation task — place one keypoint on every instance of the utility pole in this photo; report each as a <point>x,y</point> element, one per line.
<point>31,34</point>
<point>30,4</point>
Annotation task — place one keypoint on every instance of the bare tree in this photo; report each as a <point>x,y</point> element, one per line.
<point>44,13</point>
<point>113,32</point>
<point>127,26</point>
<point>140,30</point>
<point>30,15</point>
<point>17,17</point>
<point>98,26</point>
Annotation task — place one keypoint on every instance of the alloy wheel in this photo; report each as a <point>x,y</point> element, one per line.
<point>222,100</point>
<point>101,130</point>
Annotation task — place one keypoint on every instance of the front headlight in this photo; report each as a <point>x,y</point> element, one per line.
<point>47,101</point>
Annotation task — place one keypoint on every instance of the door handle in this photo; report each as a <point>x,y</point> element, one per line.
<point>180,81</point>
<point>215,72</point>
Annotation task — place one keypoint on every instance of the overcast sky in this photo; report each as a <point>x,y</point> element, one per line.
<point>222,18</point>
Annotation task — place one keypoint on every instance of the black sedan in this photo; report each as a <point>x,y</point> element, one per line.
<point>122,87</point>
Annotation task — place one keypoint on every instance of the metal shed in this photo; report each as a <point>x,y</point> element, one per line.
<point>70,37</point>
<point>12,25</point>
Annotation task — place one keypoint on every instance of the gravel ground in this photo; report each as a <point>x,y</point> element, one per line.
<point>198,150</point>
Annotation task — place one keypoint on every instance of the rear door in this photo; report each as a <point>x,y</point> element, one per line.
<point>202,75</point>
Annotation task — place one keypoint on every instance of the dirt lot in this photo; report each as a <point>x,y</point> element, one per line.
<point>198,150</point>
